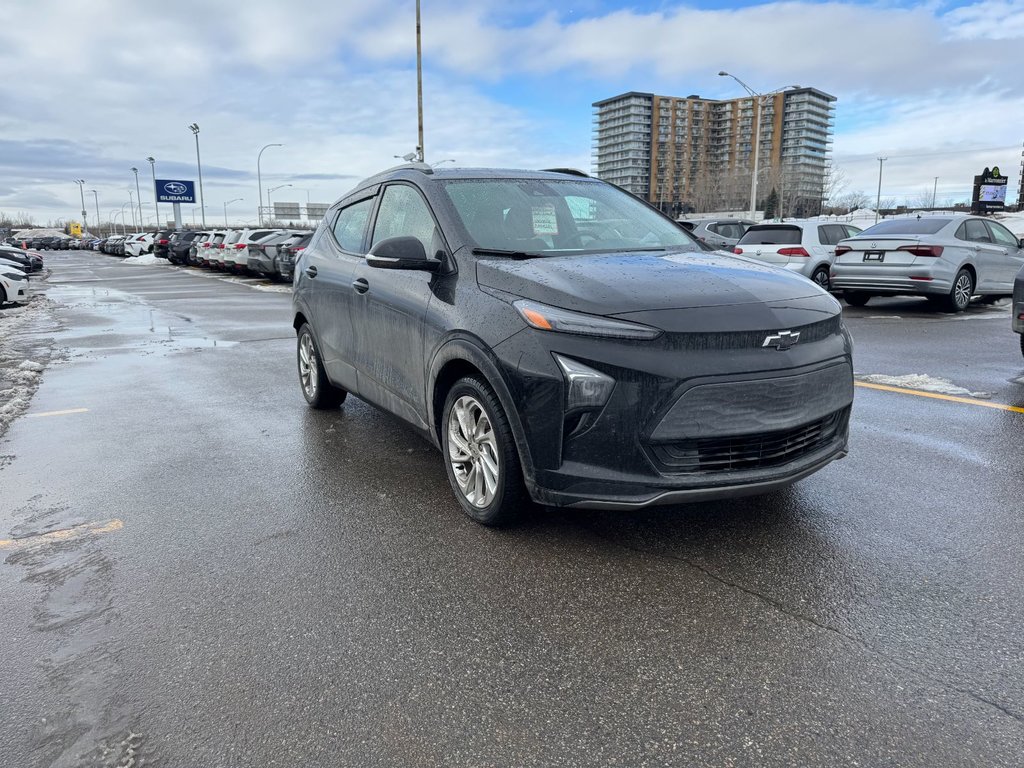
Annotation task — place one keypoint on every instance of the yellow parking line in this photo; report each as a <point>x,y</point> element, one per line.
<point>937,396</point>
<point>57,413</point>
<point>61,535</point>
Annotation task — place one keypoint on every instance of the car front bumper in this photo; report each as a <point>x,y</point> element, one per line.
<point>680,424</point>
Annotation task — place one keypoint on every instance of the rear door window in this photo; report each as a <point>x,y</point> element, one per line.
<point>975,231</point>
<point>350,225</point>
<point>774,234</point>
<point>731,230</point>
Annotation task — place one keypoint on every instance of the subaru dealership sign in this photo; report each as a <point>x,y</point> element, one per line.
<point>175,191</point>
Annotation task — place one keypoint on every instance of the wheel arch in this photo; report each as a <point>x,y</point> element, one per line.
<point>457,358</point>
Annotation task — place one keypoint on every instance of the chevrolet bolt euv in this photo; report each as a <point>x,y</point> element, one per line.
<point>563,342</point>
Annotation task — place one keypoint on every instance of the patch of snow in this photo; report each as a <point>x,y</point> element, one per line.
<point>147,260</point>
<point>30,365</point>
<point>274,288</point>
<point>923,382</point>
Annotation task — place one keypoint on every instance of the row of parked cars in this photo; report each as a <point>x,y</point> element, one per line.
<point>949,259</point>
<point>16,264</point>
<point>264,252</point>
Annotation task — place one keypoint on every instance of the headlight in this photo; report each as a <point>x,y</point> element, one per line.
<point>545,318</point>
<point>14,276</point>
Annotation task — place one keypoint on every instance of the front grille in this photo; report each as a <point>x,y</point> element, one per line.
<point>745,452</point>
<point>823,329</point>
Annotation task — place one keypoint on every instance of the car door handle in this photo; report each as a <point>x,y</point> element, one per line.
<point>361,285</point>
<point>311,271</point>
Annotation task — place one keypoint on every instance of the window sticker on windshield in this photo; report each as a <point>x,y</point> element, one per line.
<point>544,220</point>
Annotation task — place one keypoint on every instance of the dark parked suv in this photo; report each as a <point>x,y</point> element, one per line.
<point>562,341</point>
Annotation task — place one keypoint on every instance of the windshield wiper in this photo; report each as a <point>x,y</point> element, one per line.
<point>510,254</point>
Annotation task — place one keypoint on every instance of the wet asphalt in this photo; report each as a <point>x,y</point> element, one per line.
<point>199,570</point>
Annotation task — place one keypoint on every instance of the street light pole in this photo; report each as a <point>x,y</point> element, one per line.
<point>113,227</point>
<point>199,165</point>
<point>138,194</point>
<point>81,193</point>
<point>131,198</point>
<point>124,230</point>
<point>96,199</point>
<point>935,188</point>
<point>419,83</point>
<point>759,100</point>
<point>259,179</point>
<point>271,191</point>
<point>156,203</point>
<point>229,202</point>
<point>878,200</point>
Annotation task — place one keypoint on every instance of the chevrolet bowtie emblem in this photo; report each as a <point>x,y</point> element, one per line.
<point>782,340</point>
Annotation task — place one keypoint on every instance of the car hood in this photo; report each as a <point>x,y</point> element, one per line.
<point>623,283</point>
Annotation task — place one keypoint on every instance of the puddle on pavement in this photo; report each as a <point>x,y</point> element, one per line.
<point>110,321</point>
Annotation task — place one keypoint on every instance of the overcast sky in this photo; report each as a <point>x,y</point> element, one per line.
<point>90,89</point>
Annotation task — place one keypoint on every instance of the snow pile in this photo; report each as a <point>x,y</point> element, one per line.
<point>25,348</point>
<point>146,260</point>
<point>922,382</point>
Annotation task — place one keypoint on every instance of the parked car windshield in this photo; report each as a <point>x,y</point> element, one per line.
<point>771,235</point>
<point>552,217</point>
<point>927,226</point>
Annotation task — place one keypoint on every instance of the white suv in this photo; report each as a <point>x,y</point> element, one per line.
<point>13,285</point>
<point>807,247</point>
<point>236,247</point>
<point>138,244</point>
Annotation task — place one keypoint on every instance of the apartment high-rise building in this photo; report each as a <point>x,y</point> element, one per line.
<point>695,154</point>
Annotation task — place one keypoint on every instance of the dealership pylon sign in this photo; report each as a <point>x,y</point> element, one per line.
<point>175,191</point>
<point>989,191</point>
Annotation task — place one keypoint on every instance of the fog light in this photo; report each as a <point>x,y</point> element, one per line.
<point>585,387</point>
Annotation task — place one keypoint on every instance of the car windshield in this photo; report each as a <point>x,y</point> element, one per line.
<point>551,217</point>
<point>907,227</point>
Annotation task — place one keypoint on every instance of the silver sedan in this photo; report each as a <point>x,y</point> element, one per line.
<point>947,259</point>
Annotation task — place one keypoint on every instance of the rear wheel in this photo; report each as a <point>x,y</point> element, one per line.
<point>857,298</point>
<point>1022,343</point>
<point>480,454</point>
<point>820,276</point>
<point>316,388</point>
<point>959,297</point>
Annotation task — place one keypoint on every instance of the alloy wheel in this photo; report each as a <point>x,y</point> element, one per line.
<point>962,290</point>
<point>473,451</point>
<point>307,365</point>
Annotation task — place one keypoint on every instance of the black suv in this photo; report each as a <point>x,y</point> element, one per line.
<point>161,243</point>
<point>562,341</point>
<point>179,245</point>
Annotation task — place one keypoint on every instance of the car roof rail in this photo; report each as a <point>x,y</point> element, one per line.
<point>568,171</point>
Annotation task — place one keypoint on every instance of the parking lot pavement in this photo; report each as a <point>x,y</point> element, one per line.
<point>200,570</point>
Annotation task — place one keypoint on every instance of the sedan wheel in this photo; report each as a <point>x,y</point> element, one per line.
<point>960,294</point>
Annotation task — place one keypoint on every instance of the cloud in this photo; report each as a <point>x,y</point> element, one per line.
<point>505,85</point>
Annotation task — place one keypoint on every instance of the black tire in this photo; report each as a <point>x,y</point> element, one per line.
<point>1022,343</point>
<point>959,297</point>
<point>821,277</point>
<point>509,499</point>
<point>319,392</point>
<point>856,298</point>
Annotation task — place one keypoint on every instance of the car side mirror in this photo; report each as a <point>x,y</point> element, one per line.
<point>401,253</point>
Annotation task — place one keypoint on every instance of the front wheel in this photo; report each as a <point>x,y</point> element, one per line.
<point>1022,343</point>
<point>480,454</point>
<point>316,388</point>
<point>959,297</point>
